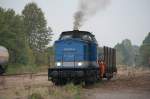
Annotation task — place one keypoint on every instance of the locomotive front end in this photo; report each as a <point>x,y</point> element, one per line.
<point>75,57</point>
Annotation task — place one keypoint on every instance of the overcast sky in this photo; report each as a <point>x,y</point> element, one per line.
<point>120,20</point>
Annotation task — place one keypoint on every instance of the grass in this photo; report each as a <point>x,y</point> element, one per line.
<point>51,92</point>
<point>19,69</point>
<point>35,96</point>
<point>74,90</point>
<point>68,91</point>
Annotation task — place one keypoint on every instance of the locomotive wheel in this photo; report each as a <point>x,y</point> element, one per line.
<point>90,80</point>
<point>109,76</point>
<point>77,82</point>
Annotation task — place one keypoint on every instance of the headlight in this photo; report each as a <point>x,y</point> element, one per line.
<point>58,64</point>
<point>80,64</point>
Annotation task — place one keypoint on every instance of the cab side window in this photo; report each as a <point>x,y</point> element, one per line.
<point>65,37</point>
<point>86,37</point>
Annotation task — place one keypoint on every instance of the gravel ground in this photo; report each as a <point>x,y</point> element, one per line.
<point>125,86</point>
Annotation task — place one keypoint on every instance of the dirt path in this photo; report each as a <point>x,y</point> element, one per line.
<point>136,86</point>
<point>126,94</point>
<point>124,86</point>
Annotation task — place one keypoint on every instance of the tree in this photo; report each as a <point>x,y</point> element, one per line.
<point>145,51</point>
<point>12,36</point>
<point>119,54</point>
<point>137,57</point>
<point>126,53</point>
<point>38,35</point>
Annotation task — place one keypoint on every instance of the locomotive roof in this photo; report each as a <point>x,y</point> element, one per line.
<point>77,32</point>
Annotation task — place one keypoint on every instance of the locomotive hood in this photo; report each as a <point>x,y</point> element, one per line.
<point>69,50</point>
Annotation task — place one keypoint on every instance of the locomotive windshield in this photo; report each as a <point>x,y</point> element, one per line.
<point>78,35</point>
<point>63,37</point>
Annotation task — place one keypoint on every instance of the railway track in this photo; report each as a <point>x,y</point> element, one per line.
<point>10,81</point>
<point>24,74</point>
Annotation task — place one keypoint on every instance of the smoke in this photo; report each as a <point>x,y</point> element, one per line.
<point>88,8</point>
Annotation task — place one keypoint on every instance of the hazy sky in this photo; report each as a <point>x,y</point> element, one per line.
<point>122,19</point>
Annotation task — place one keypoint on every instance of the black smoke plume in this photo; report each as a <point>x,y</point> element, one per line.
<point>88,8</point>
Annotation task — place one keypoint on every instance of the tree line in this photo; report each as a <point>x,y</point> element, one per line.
<point>25,35</point>
<point>132,55</point>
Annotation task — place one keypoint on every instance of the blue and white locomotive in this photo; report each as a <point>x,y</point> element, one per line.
<point>76,58</point>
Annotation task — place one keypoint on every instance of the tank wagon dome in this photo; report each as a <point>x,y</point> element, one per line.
<point>4,55</point>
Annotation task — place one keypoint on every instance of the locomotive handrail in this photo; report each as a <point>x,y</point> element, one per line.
<point>74,61</point>
<point>62,60</point>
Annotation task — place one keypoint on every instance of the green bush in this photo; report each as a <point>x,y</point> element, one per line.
<point>19,69</point>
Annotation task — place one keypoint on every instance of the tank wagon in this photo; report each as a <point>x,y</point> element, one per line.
<point>76,56</point>
<point>4,56</point>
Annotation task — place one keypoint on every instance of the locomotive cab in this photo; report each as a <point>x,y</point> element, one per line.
<point>76,49</point>
<point>82,35</point>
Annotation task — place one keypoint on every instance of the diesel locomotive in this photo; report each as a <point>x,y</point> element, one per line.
<point>76,56</point>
